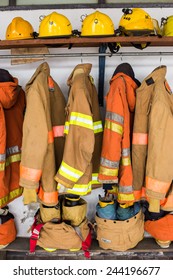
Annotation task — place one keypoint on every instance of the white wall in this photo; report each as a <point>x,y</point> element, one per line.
<point>61,69</point>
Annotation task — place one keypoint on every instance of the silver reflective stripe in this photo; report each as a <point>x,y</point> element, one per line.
<point>12,150</point>
<point>109,163</point>
<point>125,189</point>
<point>125,152</point>
<point>2,157</point>
<point>114,117</point>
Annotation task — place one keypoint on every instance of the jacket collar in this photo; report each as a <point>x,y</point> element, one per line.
<point>42,68</point>
<point>86,69</point>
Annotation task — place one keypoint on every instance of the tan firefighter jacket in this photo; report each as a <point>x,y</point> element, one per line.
<point>78,172</point>
<point>12,106</point>
<point>43,136</point>
<point>152,156</point>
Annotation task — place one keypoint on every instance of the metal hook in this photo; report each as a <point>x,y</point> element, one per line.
<point>160,60</point>
<point>41,17</point>
<point>81,59</point>
<point>82,17</point>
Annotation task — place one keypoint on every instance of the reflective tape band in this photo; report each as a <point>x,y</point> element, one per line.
<point>114,127</point>
<point>80,189</point>
<point>81,120</point>
<point>157,186</point>
<point>140,139</point>
<point>13,158</point>
<point>2,157</point>
<point>114,117</point>
<point>125,161</point>
<point>108,163</point>
<point>13,150</point>
<point>66,128</point>
<point>30,174</point>
<point>125,189</point>
<point>98,127</point>
<point>125,197</point>
<point>140,193</point>
<point>125,152</point>
<point>2,166</point>
<point>48,197</point>
<point>108,172</point>
<point>95,179</point>
<point>69,172</point>
<point>11,196</point>
<point>58,130</point>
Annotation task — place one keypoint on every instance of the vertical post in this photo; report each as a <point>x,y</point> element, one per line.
<point>102,50</point>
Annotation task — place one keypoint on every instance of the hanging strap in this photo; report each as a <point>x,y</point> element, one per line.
<point>35,236</point>
<point>85,243</point>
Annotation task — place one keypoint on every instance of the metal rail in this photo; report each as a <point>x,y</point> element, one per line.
<point>5,56</point>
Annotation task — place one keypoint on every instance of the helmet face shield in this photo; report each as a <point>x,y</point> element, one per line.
<point>97,24</point>
<point>55,25</point>
<point>19,29</point>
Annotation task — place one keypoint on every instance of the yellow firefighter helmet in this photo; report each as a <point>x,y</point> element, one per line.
<point>55,25</point>
<point>167,26</point>
<point>136,22</point>
<point>97,24</point>
<point>19,29</point>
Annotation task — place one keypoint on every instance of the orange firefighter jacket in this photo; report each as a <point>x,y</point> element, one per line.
<point>115,164</point>
<point>78,172</point>
<point>12,106</point>
<point>152,157</point>
<point>43,136</point>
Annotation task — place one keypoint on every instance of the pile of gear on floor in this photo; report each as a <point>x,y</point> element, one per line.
<point>55,152</point>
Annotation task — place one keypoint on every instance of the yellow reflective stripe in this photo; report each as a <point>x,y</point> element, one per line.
<point>66,128</point>
<point>9,160</point>
<point>81,120</point>
<point>108,172</point>
<point>95,179</point>
<point>2,166</point>
<point>12,195</point>
<point>80,189</point>
<point>125,161</point>
<point>70,172</point>
<point>98,127</point>
<point>114,127</point>
<point>12,159</point>
<point>125,197</point>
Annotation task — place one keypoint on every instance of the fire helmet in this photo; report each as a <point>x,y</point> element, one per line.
<point>19,29</point>
<point>136,22</point>
<point>97,24</point>
<point>55,25</point>
<point>167,26</point>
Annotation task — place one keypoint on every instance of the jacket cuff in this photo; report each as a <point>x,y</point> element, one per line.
<point>29,196</point>
<point>154,205</point>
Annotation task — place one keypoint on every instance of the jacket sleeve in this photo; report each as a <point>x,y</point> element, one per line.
<point>79,143</point>
<point>34,143</point>
<point>112,137</point>
<point>140,141</point>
